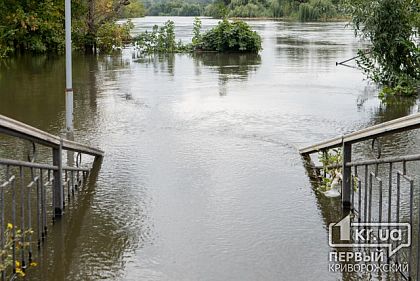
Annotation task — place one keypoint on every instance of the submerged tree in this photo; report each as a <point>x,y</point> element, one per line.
<point>96,17</point>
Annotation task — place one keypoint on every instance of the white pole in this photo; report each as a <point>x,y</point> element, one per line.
<point>69,82</point>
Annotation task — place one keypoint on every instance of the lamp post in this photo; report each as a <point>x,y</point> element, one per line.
<point>69,81</point>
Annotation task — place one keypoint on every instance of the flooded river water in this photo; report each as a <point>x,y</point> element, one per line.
<point>201,179</point>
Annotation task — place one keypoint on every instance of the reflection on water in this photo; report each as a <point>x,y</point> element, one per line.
<point>228,66</point>
<point>201,178</point>
<point>235,66</point>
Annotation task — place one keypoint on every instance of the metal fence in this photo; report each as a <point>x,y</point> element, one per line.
<point>380,191</point>
<point>31,192</point>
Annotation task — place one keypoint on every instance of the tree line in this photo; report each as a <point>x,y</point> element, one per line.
<point>306,10</point>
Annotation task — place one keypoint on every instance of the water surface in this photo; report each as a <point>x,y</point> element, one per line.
<point>201,179</point>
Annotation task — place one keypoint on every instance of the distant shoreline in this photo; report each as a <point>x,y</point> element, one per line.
<point>334,19</point>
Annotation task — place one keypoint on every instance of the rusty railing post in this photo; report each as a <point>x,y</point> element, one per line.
<point>57,186</point>
<point>346,185</point>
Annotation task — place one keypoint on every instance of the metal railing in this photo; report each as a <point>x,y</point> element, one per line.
<point>380,190</point>
<point>32,191</point>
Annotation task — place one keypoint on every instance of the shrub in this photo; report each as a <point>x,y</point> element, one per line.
<point>234,36</point>
<point>161,40</point>
<point>227,36</point>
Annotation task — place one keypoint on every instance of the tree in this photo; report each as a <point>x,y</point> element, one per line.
<point>316,10</point>
<point>37,25</point>
<point>31,25</point>
<point>394,57</point>
<point>99,13</point>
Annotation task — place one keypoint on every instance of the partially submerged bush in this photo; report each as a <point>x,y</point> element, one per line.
<point>160,40</point>
<point>227,36</point>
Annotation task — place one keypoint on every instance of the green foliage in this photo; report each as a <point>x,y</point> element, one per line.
<point>330,160</point>
<point>316,10</point>
<point>190,10</point>
<point>301,9</point>
<point>175,8</point>
<point>160,40</point>
<point>31,26</point>
<point>196,40</point>
<point>216,10</point>
<point>37,25</point>
<point>134,10</point>
<point>284,8</point>
<point>229,36</point>
<point>93,16</point>
<point>249,8</point>
<point>112,36</point>
<point>5,50</point>
<point>394,57</point>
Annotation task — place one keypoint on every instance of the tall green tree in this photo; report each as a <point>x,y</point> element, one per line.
<point>94,15</point>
